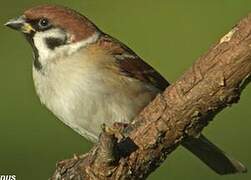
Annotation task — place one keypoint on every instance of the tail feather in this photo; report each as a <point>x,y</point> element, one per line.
<point>211,155</point>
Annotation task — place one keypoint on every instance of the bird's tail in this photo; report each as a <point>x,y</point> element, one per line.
<point>211,155</point>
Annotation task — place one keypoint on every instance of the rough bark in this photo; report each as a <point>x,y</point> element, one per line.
<point>133,151</point>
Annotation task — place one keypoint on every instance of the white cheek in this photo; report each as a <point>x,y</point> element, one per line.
<point>39,41</point>
<point>46,54</point>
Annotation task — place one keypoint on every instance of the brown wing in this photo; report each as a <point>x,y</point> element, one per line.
<point>132,65</point>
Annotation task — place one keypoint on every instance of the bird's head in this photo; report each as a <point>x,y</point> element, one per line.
<point>53,30</point>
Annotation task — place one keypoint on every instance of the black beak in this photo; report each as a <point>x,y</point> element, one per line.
<point>20,24</point>
<point>16,23</point>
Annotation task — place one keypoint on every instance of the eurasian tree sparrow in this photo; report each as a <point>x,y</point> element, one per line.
<point>88,78</point>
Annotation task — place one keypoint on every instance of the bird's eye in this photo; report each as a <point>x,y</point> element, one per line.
<point>44,23</point>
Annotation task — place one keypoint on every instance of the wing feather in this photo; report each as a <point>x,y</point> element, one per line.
<point>132,65</point>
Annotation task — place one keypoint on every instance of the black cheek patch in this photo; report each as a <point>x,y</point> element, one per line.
<point>52,43</point>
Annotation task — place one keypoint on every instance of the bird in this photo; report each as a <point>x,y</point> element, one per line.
<point>87,78</point>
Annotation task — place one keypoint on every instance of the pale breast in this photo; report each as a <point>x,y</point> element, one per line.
<point>85,95</point>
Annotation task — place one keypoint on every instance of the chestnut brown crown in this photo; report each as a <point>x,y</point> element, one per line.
<point>67,19</point>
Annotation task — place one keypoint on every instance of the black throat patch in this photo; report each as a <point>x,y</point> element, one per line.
<point>36,62</point>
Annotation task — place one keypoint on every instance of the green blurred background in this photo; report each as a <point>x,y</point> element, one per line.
<point>168,34</point>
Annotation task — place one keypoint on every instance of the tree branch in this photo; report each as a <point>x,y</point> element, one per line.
<point>133,151</point>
